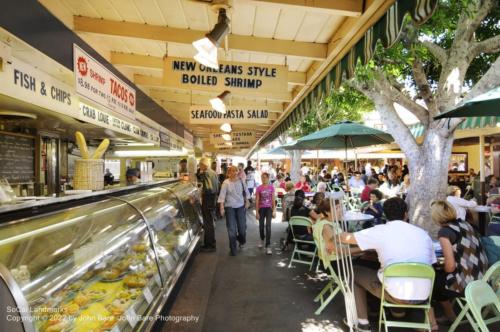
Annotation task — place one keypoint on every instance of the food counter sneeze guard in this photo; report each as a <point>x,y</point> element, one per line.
<point>97,266</point>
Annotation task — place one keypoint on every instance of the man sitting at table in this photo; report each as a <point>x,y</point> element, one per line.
<point>365,194</point>
<point>390,241</point>
<point>374,208</point>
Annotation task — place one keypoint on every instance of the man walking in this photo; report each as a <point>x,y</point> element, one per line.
<point>209,190</point>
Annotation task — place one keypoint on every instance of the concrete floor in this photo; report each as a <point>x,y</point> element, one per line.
<point>252,291</point>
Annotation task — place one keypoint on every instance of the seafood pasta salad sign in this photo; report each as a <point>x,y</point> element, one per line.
<point>97,83</point>
<point>233,115</point>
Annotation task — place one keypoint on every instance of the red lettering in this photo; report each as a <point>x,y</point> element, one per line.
<point>119,90</point>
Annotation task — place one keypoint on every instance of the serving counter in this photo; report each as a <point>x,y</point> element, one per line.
<point>100,263</point>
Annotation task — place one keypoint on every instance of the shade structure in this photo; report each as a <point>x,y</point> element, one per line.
<point>486,104</point>
<point>277,151</point>
<point>344,135</point>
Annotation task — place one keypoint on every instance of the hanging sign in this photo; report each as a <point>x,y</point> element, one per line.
<point>186,73</point>
<point>233,145</point>
<point>97,83</point>
<point>233,115</point>
<point>188,137</point>
<point>165,141</point>
<point>22,81</point>
<point>98,117</point>
<point>236,136</point>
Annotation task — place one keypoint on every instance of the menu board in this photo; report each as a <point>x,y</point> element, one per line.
<point>17,158</point>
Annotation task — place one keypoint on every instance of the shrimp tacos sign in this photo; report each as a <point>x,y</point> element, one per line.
<point>233,115</point>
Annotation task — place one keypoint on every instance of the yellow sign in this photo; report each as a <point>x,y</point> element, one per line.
<point>185,73</point>
<point>233,115</point>
<point>236,136</point>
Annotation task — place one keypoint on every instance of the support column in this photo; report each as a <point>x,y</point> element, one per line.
<point>482,169</point>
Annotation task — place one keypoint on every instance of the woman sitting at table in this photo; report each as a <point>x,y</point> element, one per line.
<point>287,201</point>
<point>459,204</point>
<point>464,258</point>
<point>299,210</point>
<point>303,185</point>
<point>391,187</point>
<point>314,213</point>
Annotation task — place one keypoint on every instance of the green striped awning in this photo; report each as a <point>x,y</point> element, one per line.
<point>470,123</point>
<point>387,30</point>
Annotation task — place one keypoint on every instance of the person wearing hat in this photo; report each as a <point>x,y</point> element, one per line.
<point>132,176</point>
<point>209,189</point>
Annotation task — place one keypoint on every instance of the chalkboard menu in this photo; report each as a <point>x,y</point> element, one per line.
<point>17,158</point>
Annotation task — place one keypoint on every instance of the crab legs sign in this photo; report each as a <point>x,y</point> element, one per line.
<point>97,83</point>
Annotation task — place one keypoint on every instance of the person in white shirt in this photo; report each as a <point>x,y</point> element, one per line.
<point>304,170</point>
<point>391,187</point>
<point>368,169</point>
<point>390,241</point>
<point>459,204</point>
<point>355,182</point>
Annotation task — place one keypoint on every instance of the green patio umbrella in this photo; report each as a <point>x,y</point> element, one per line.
<point>344,135</point>
<point>487,104</point>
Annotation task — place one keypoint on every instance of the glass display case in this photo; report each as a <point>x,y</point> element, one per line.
<point>103,266</point>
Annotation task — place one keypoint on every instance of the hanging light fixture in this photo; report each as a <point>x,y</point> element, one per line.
<point>226,137</point>
<point>228,143</point>
<point>219,103</point>
<point>207,46</point>
<point>226,127</point>
<point>209,60</point>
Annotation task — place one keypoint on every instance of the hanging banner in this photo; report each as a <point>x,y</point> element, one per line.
<point>98,117</point>
<point>236,136</point>
<point>233,115</point>
<point>24,82</point>
<point>97,83</point>
<point>186,73</point>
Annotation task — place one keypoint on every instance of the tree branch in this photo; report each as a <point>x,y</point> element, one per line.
<point>397,96</point>
<point>467,25</point>
<point>423,86</point>
<point>490,80</point>
<point>490,45</point>
<point>437,51</point>
<point>389,116</point>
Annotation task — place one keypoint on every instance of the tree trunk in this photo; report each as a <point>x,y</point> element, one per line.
<point>296,157</point>
<point>429,177</point>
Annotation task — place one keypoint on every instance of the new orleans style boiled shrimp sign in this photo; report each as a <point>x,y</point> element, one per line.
<point>97,83</point>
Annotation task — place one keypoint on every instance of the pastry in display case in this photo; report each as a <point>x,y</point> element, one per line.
<point>99,266</point>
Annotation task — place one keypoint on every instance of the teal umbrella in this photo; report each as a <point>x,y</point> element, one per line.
<point>346,135</point>
<point>487,104</point>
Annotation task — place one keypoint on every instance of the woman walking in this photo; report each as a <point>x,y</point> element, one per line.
<point>233,200</point>
<point>265,210</point>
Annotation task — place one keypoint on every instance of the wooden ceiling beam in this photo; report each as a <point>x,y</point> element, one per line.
<point>153,62</point>
<point>186,100</point>
<point>307,50</point>
<point>337,7</point>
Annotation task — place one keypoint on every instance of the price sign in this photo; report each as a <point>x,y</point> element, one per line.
<point>147,295</point>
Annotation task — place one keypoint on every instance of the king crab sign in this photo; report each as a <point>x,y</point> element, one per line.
<point>82,66</point>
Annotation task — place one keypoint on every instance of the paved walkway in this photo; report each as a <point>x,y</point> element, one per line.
<point>253,291</point>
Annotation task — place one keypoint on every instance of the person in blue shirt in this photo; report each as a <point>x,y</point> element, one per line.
<point>375,207</point>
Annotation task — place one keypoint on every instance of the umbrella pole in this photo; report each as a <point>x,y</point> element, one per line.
<point>345,165</point>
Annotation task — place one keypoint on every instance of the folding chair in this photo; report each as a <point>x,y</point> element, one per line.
<point>406,270</point>
<point>480,295</point>
<point>492,276</point>
<point>299,255</point>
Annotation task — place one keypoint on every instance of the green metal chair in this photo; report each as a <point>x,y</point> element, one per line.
<point>492,276</point>
<point>406,270</point>
<point>299,255</point>
<point>480,295</point>
<point>333,286</point>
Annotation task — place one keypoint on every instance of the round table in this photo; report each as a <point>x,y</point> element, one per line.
<point>355,220</point>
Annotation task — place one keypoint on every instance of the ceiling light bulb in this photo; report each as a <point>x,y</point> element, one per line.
<point>207,60</point>
<point>219,103</point>
<point>226,137</point>
<point>207,46</point>
<point>226,127</point>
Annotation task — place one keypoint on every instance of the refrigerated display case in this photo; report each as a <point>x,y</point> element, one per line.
<point>102,266</point>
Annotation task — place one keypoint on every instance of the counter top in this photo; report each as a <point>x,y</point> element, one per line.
<point>92,196</point>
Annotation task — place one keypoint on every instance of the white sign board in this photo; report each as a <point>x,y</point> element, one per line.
<point>24,82</point>
<point>97,83</point>
<point>236,136</point>
<point>233,115</point>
